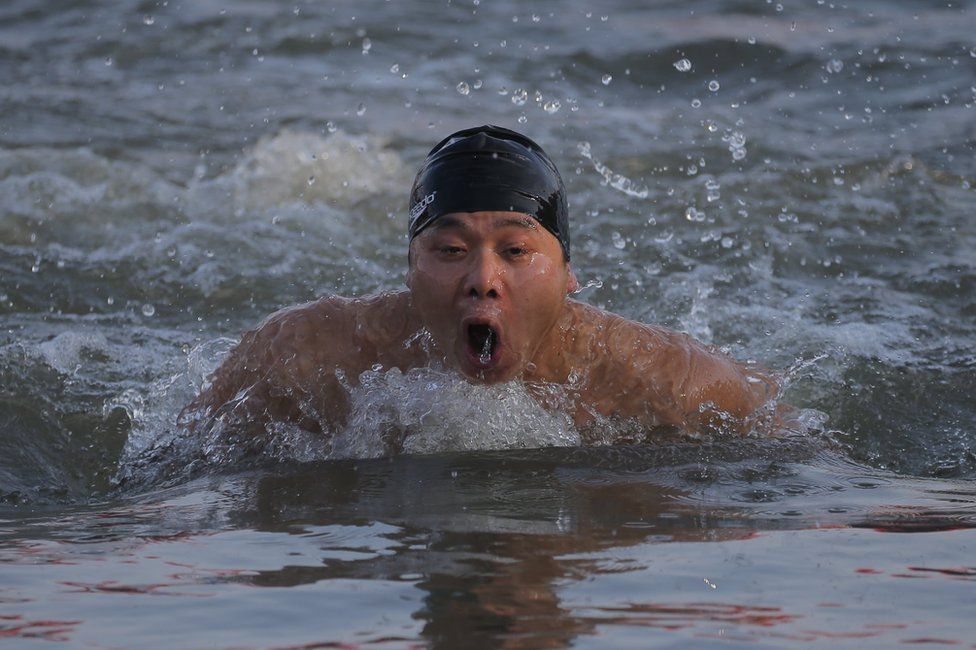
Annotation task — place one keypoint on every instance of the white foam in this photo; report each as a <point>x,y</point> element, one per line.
<point>297,167</point>
<point>429,410</point>
<point>67,351</point>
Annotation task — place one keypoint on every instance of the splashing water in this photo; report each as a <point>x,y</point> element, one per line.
<point>428,410</point>
<point>486,348</point>
<point>611,178</point>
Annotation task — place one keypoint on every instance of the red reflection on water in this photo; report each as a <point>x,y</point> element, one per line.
<point>871,571</point>
<point>43,629</point>
<point>920,523</point>
<point>824,634</point>
<point>396,641</point>
<point>114,587</point>
<point>961,573</point>
<point>676,617</point>
<point>37,553</point>
<point>932,641</point>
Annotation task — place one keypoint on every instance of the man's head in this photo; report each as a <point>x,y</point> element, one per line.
<point>489,251</point>
<point>489,168</point>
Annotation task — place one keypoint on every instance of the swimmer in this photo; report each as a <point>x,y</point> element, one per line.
<point>487,295</point>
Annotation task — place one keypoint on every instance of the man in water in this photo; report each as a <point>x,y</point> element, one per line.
<point>488,282</point>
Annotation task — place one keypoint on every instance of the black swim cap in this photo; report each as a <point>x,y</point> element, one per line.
<point>489,168</point>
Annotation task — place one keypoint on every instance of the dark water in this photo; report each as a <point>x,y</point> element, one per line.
<point>170,172</point>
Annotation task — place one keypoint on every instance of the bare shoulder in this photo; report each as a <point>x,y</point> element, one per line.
<point>327,332</point>
<point>652,372</point>
<point>292,366</point>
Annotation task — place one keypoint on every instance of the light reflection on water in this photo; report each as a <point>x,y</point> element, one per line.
<point>549,547</point>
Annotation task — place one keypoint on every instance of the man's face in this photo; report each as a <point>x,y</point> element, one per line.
<point>489,286</point>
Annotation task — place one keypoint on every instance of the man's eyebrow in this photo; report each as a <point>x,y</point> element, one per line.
<point>519,222</point>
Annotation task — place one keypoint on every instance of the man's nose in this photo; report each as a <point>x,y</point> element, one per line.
<point>484,276</point>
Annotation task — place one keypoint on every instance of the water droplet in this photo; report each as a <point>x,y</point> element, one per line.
<point>834,66</point>
<point>536,18</point>
<point>148,310</point>
<point>522,119</point>
<point>361,109</point>
<point>108,60</point>
<point>110,300</point>
<point>712,186</point>
<point>693,214</point>
<point>367,44</point>
<point>148,20</point>
<point>552,106</point>
<point>607,79</point>
<point>463,88</point>
<point>727,242</point>
<point>696,103</point>
<point>683,65</point>
<point>486,349</point>
<point>713,86</point>
<point>477,84</point>
<point>618,240</point>
<point>331,127</point>
<point>751,40</point>
<point>519,97</point>
<point>311,181</point>
<point>395,68</point>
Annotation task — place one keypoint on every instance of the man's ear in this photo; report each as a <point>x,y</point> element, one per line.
<point>573,285</point>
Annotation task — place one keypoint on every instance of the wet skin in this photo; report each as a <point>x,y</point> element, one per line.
<point>498,272</point>
<point>487,296</point>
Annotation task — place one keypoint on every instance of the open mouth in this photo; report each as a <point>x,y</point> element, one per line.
<point>482,342</point>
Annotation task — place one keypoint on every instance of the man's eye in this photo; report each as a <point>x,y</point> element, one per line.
<point>517,251</point>
<point>451,250</point>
